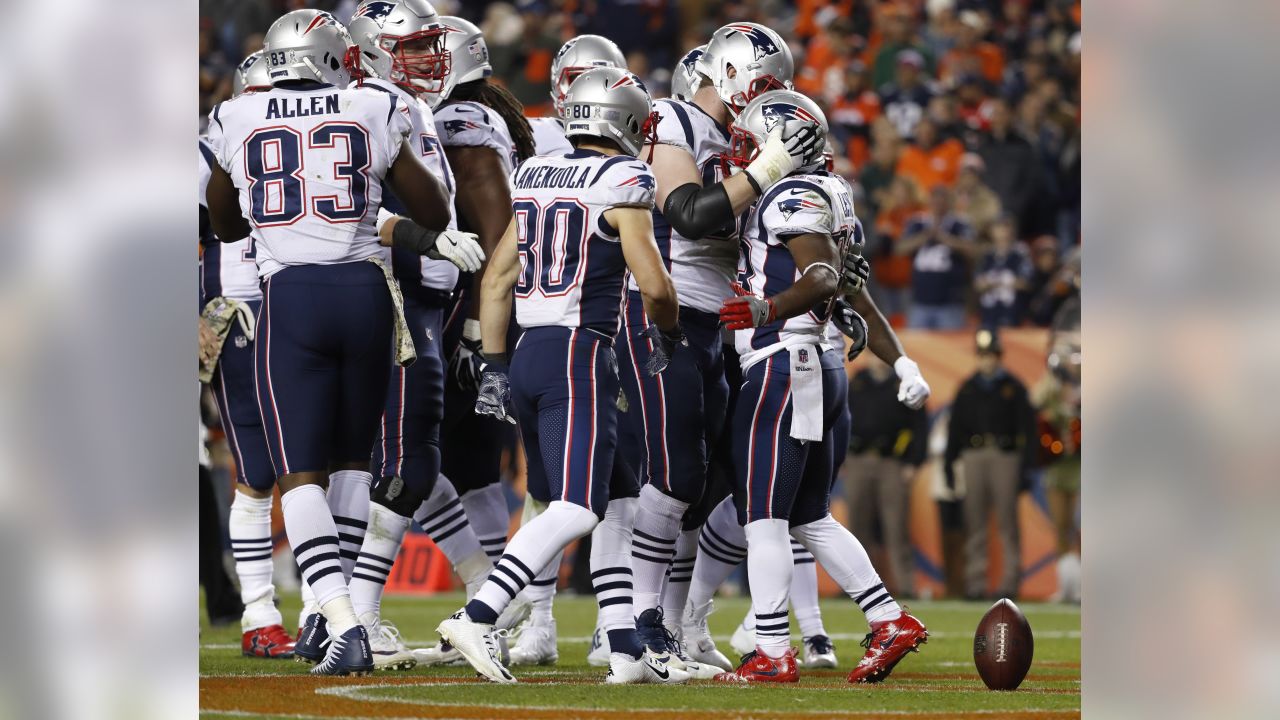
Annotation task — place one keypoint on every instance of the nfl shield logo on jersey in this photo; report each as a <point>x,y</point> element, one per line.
<point>804,355</point>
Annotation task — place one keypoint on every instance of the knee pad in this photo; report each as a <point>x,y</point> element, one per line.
<point>394,494</point>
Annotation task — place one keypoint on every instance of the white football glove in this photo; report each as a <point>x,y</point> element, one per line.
<point>913,390</point>
<point>773,162</point>
<point>459,248</point>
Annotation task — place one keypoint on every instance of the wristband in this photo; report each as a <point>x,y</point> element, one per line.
<point>499,362</point>
<point>905,367</point>
<point>409,235</point>
<point>471,329</point>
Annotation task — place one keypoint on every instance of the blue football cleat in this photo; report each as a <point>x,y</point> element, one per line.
<point>312,640</point>
<point>349,654</point>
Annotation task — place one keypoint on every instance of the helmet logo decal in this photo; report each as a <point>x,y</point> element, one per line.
<point>775,113</point>
<point>624,81</point>
<point>320,20</point>
<point>376,10</point>
<point>761,43</point>
<point>691,60</point>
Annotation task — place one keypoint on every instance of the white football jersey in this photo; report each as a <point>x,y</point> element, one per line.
<point>548,137</point>
<point>814,203</point>
<point>229,269</point>
<point>702,270</point>
<point>423,140</point>
<point>309,164</point>
<point>470,124</point>
<point>571,263</point>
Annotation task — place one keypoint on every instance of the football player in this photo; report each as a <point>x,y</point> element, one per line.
<point>581,222</point>
<point>680,413</point>
<point>793,256</point>
<point>483,134</point>
<point>401,48</point>
<point>229,295</point>
<point>328,319</point>
<point>535,641</point>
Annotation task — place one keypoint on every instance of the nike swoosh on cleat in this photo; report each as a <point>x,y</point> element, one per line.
<point>660,671</point>
<point>885,645</point>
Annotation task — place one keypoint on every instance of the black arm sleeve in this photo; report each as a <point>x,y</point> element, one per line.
<point>696,212</point>
<point>409,235</point>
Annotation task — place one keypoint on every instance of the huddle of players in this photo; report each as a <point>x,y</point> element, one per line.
<point>637,231</point>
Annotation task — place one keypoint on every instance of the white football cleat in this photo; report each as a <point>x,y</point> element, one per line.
<point>698,644</point>
<point>599,655</point>
<point>819,653</point>
<point>476,643</point>
<point>535,645</point>
<point>441,654</point>
<point>648,668</point>
<point>744,638</point>
<point>389,652</point>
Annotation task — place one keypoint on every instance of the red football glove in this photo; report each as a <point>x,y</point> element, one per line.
<point>746,310</point>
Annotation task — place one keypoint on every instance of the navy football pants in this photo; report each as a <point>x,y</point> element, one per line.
<point>564,384</point>
<point>777,475</point>
<point>408,443</point>
<point>232,387</point>
<point>323,357</point>
<point>678,414</point>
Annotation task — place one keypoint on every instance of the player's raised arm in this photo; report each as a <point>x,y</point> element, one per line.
<point>635,228</point>
<point>425,198</point>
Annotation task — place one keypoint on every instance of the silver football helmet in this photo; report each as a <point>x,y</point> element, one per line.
<point>309,45</point>
<point>610,103</point>
<point>768,111</point>
<point>366,31</point>
<point>685,78</point>
<point>413,37</point>
<point>250,75</point>
<point>578,56</point>
<point>468,57</point>
<point>745,59</point>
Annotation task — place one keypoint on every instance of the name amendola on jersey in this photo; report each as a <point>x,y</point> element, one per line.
<point>574,278</point>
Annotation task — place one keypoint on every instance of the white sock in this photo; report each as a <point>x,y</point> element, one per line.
<point>769,570</point>
<point>722,545</point>
<point>532,547</point>
<point>340,614</point>
<point>804,591</point>
<point>249,524</point>
<point>675,596</point>
<point>611,560</point>
<point>377,554</point>
<point>309,605</point>
<point>349,503</point>
<point>845,560</point>
<point>541,593</point>
<point>653,546</point>
<point>487,511</point>
<point>444,519</point>
<point>314,539</point>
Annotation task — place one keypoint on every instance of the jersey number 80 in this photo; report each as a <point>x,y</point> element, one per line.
<point>550,240</point>
<point>274,161</point>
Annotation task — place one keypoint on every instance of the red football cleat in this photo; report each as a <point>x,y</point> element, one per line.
<point>271,642</point>
<point>887,643</point>
<point>758,667</point>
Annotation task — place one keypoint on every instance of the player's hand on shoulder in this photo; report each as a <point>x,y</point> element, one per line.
<point>664,346</point>
<point>460,248</point>
<point>494,397</point>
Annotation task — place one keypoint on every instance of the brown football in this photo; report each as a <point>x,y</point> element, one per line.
<point>1003,646</point>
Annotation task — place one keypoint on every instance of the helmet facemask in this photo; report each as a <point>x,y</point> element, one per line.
<point>419,61</point>
<point>743,149</point>
<point>738,101</point>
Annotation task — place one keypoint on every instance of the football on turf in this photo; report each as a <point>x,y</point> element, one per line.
<point>1002,646</point>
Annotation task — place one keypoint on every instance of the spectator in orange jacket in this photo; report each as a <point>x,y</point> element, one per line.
<point>930,161</point>
<point>853,112</point>
<point>972,54</point>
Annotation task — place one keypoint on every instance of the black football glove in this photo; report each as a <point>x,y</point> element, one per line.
<point>855,274</point>
<point>465,364</point>
<point>663,344</point>
<point>494,397</point>
<point>851,324</point>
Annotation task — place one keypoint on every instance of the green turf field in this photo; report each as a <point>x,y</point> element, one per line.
<point>940,681</point>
